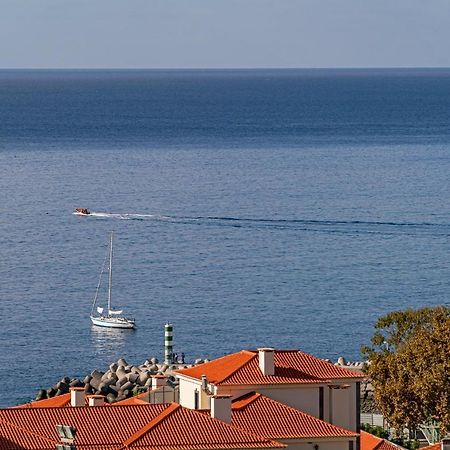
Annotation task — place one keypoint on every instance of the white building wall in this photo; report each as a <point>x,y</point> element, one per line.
<point>187,392</point>
<point>188,387</point>
<point>343,407</point>
<point>339,405</point>
<point>305,399</point>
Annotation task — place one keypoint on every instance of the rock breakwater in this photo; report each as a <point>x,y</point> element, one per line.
<point>122,380</point>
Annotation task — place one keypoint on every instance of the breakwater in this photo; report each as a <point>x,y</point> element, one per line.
<point>122,380</point>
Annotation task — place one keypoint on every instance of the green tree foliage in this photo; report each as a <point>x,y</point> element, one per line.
<point>375,430</point>
<point>409,367</point>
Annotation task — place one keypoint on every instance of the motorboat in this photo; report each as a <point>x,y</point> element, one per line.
<point>82,211</point>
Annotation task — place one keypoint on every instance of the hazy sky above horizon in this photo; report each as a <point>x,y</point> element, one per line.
<point>223,33</point>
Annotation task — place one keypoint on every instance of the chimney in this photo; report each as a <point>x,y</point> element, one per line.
<point>445,443</point>
<point>96,400</point>
<point>204,383</point>
<point>158,381</point>
<point>221,407</point>
<point>266,362</point>
<point>77,396</point>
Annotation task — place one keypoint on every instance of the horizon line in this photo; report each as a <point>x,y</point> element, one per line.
<point>231,68</point>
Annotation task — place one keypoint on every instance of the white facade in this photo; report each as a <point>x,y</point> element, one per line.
<point>192,395</point>
<point>335,403</point>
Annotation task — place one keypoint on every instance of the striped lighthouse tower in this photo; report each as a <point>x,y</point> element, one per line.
<point>168,343</point>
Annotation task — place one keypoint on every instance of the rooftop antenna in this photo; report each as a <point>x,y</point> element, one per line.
<point>168,343</point>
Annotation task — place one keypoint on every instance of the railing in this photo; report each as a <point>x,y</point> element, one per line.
<point>428,431</point>
<point>374,420</point>
<point>431,433</point>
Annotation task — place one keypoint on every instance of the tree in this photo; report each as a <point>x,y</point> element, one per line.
<point>409,367</point>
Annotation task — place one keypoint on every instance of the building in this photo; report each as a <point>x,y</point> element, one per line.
<point>246,400</point>
<point>295,378</point>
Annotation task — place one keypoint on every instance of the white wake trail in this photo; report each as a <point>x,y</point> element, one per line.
<point>128,216</point>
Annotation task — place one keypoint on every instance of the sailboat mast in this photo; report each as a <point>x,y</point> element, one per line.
<point>110,273</point>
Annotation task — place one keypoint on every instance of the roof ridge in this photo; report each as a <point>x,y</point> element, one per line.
<point>329,363</point>
<point>169,410</point>
<point>245,400</point>
<point>215,361</point>
<point>253,356</point>
<point>60,400</point>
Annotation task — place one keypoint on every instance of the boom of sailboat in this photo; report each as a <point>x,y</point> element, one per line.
<point>109,317</point>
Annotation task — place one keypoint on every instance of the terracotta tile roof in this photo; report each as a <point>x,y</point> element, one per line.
<point>437,446</point>
<point>58,401</point>
<point>371,442</point>
<point>183,428</point>
<point>130,401</point>
<point>53,402</point>
<point>386,445</point>
<point>139,399</point>
<point>291,366</point>
<point>96,426</point>
<point>140,427</point>
<point>14,437</point>
<point>219,369</point>
<point>266,417</point>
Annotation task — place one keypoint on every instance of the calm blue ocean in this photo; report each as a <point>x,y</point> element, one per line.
<point>251,208</point>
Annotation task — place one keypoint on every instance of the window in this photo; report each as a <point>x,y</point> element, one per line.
<point>321,403</point>
<point>196,399</point>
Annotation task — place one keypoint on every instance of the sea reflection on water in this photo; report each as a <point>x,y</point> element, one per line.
<point>109,343</point>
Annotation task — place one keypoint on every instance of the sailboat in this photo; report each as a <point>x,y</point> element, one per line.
<point>110,318</point>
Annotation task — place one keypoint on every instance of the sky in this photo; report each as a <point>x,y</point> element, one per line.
<point>224,33</point>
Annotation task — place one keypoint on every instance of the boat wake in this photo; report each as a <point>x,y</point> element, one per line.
<point>329,226</point>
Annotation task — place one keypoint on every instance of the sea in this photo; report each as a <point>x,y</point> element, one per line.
<point>282,208</point>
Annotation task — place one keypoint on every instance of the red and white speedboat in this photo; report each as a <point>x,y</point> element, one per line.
<point>82,211</point>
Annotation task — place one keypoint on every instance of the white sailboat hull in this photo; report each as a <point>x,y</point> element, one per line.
<point>113,322</point>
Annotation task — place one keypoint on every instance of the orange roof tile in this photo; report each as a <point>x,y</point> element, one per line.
<point>371,442</point>
<point>220,368</point>
<point>139,399</point>
<point>266,417</point>
<point>386,445</point>
<point>130,401</point>
<point>54,402</point>
<point>140,427</point>
<point>437,446</point>
<point>183,428</point>
<point>13,437</point>
<point>96,426</point>
<point>291,366</point>
<point>158,419</point>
